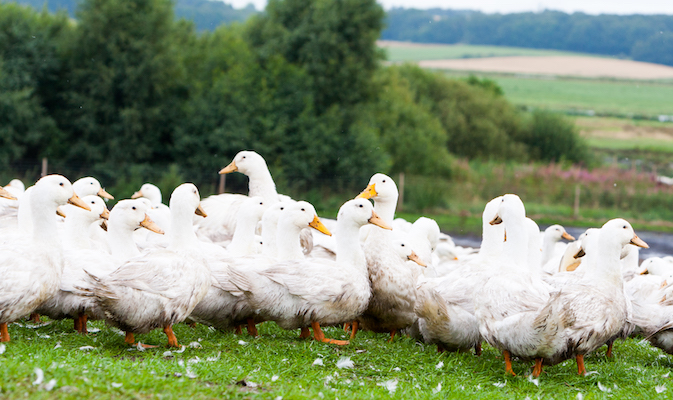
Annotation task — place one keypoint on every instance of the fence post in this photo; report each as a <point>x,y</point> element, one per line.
<point>223,181</point>
<point>44,167</point>
<point>400,198</point>
<point>576,207</point>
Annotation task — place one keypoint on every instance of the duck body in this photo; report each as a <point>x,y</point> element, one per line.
<point>161,286</point>
<point>31,266</point>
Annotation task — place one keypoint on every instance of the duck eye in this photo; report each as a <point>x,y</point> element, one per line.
<point>243,156</point>
<point>261,203</point>
<point>61,183</point>
<point>93,202</point>
<point>402,245</point>
<point>624,226</point>
<point>384,181</point>
<point>133,207</point>
<point>282,208</point>
<point>303,209</point>
<point>361,206</point>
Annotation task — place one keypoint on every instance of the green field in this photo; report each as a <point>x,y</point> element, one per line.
<point>614,97</point>
<point>279,365</point>
<point>441,52</point>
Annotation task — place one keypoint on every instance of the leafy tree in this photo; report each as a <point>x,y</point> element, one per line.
<point>656,49</point>
<point>552,137</point>
<point>127,85</point>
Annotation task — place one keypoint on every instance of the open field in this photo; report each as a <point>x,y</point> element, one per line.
<point>279,365</point>
<point>579,66</point>
<point>406,51</point>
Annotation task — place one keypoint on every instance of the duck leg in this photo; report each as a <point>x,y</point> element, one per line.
<point>477,349</point>
<point>320,336</point>
<point>609,352</point>
<point>77,324</point>
<point>83,319</point>
<point>4,333</point>
<point>35,318</point>
<point>305,333</point>
<point>538,368</point>
<point>238,330</point>
<point>392,335</point>
<point>581,370</point>
<point>355,326</point>
<point>252,328</point>
<point>347,327</point>
<point>130,339</point>
<point>172,340</point>
<point>508,363</point>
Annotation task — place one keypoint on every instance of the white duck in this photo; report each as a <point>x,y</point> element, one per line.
<point>78,222</point>
<point>160,287</point>
<point>508,304</point>
<point>249,214</point>
<point>89,186</point>
<point>223,208</point>
<point>393,286</point>
<point>552,250</point>
<point>445,305</point>
<point>225,307</point>
<point>314,292</point>
<point>593,308</point>
<point>72,301</point>
<point>31,267</point>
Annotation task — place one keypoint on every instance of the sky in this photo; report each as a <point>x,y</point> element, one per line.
<point>493,6</point>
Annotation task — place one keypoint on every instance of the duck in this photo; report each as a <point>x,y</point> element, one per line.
<point>158,212</point>
<point>249,214</point>
<point>445,305</point>
<point>509,303</point>
<point>71,300</point>
<point>90,186</point>
<point>78,222</point>
<point>393,286</point>
<point>316,292</point>
<point>594,308</point>
<point>31,266</point>
<point>552,249</point>
<point>223,208</point>
<point>160,287</point>
<point>225,306</point>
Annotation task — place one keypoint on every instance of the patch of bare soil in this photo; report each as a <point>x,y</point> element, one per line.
<point>622,129</point>
<point>588,67</point>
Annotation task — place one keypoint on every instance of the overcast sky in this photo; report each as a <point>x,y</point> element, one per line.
<point>492,6</point>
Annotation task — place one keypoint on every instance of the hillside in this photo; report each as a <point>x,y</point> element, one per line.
<point>639,37</point>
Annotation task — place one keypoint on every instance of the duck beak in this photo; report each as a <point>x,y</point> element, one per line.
<point>376,220</point>
<point>368,193</point>
<point>414,257</point>
<point>60,212</point>
<point>567,236</point>
<point>105,214</point>
<point>5,194</point>
<point>103,225</point>
<point>76,201</point>
<point>229,168</point>
<point>137,194</point>
<point>147,223</point>
<point>639,242</point>
<point>580,253</point>
<point>318,225</point>
<point>496,220</point>
<point>200,211</point>
<point>102,193</point>
<point>644,271</point>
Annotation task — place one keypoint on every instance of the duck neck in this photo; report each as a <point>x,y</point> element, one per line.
<point>120,240</point>
<point>244,236</point>
<point>261,184</point>
<point>385,208</point>
<point>603,263</point>
<point>492,239</point>
<point>77,231</point>
<point>349,251</point>
<point>269,245</point>
<point>515,248</point>
<point>182,235</point>
<point>287,238</point>
<point>548,246</point>
<point>45,228</point>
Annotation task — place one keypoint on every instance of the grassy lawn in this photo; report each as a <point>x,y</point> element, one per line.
<point>441,52</point>
<point>279,365</point>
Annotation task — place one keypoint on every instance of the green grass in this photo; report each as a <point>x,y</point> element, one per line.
<point>619,97</point>
<point>280,365</point>
<point>645,144</point>
<point>442,52</point>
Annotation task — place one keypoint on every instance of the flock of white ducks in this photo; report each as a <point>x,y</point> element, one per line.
<point>265,257</point>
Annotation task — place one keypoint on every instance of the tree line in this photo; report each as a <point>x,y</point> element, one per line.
<point>640,37</point>
<point>128,93</point>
